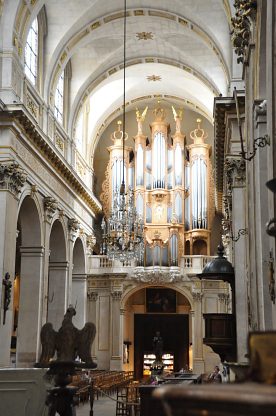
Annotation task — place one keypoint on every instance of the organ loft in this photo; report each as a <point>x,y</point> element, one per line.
<point>171,183</point>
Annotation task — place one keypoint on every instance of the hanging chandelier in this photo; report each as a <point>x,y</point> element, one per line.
<point>123,231</point>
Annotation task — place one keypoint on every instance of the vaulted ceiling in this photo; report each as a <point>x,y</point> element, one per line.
<point>182,45</point>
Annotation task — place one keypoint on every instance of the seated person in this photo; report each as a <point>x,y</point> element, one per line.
<point>215,376</point>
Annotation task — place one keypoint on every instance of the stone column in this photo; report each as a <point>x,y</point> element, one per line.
<point>57,292</point>
<point>92,317</point>
<point>198,364</point>
<point>79,298</point>
<point>29,319</point>
<point>12,178</point>
<point>116,332</point>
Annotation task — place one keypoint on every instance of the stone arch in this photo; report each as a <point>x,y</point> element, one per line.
<point>187,248</point>
<point>57,293</point>
<point>133,315</point>
<point>29,280</point>
<point>182,290</point>
<point>79,282</point>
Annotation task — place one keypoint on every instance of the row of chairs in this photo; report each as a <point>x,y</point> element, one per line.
<point>100,382</point>
<point>128,400</point>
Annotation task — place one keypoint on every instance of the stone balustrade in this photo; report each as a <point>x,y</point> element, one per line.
<point>188,265</point>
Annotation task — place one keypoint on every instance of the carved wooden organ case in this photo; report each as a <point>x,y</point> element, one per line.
<point>172,186</point>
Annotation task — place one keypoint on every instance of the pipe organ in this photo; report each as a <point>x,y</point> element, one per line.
<point>172,188</point>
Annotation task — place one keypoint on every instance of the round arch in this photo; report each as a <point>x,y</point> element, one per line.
<point>182,290</point>
<point>29,278</point>
<point>140,326</point>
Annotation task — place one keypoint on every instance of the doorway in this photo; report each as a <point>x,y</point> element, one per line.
<point>174,330</point>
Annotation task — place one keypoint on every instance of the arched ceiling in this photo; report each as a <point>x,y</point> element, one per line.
<point>188,47</point>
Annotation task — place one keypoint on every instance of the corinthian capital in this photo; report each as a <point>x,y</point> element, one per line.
<point>197,296</point>
<point>92,296</point>
<point>116,295</point>
<point>73,226</point>
<point>50,206</point>
<point>235,172</point>
<point>12,176</point>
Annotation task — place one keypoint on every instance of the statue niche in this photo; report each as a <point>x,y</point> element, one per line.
<point>68,342</point>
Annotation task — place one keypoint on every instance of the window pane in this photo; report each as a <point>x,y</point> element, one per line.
<point>31,52</point>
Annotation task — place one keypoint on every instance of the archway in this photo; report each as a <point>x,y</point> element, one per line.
<point>79,284</point>
<point>200,248</point>
<point>187,248</point>
<point>58,276</point>
<point>141,322</point>
<point>28,284</point>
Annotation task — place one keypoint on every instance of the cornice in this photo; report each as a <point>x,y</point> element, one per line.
<point>38,138</point>
<point>222,106</point>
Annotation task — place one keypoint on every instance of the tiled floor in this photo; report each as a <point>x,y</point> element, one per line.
<point>102,407</point>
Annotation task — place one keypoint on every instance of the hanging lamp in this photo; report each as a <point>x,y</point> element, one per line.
<point>123,231</point>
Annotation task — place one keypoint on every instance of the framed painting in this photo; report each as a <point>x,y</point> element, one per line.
<point>160,300</point>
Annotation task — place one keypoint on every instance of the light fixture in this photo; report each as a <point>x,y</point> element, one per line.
<point>123,231</point>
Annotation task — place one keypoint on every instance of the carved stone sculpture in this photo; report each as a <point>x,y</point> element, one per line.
<point>68,343</point>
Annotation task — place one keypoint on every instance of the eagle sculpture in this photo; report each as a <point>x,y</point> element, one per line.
<point>68,342</point>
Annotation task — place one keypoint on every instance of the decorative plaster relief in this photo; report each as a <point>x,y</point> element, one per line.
<point>32,107</point>
<point>156,275</point>
<point>242,27</point>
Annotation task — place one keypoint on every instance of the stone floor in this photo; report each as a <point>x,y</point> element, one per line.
<point>102,407</point>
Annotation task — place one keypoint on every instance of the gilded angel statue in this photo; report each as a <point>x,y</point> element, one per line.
<point>140,118</point>
<point>177,117</point>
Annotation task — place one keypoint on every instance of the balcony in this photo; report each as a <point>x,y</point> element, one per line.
<point>189,265</point>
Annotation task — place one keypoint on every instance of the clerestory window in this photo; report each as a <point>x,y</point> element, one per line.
<point>31,53</point>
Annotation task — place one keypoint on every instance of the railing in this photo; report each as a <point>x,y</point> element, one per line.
<point>188,265</point>
<point>195,262</point>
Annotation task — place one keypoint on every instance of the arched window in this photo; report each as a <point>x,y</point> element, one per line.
<point>31,53</point>
<point>59,97</point>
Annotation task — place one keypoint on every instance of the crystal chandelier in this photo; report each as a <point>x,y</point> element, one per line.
<point>123,231</point>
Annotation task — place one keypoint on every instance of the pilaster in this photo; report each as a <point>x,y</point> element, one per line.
<point>235,174</point>
<point>116,331</point>
<point>31,301</point>
<point>12,179</point>
<point>198,362</point>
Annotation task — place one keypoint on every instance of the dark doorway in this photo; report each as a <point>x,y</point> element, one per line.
<point>174,330</point>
